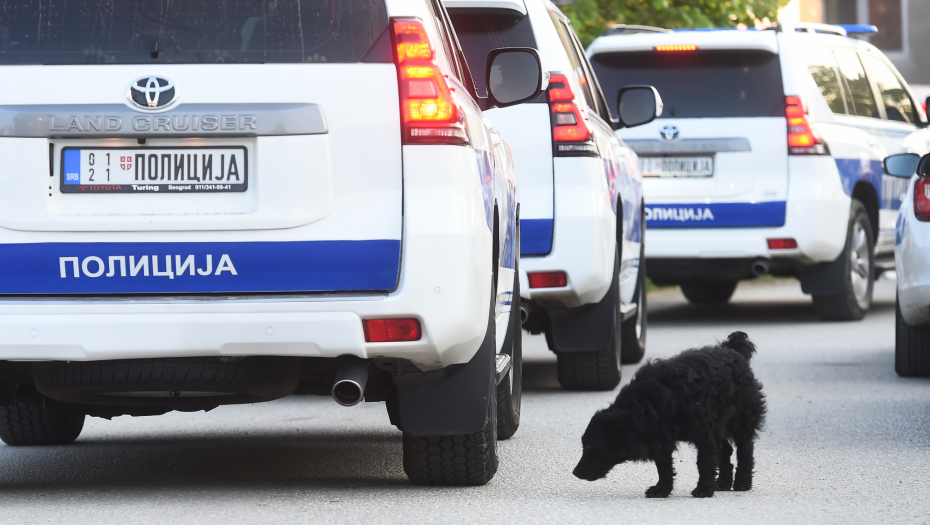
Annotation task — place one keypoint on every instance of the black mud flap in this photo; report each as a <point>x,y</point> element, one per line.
<point>587,328</point>
<point>824,278</point>
<point>454,404</point>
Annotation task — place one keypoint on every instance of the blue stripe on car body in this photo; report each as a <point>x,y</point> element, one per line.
<point>234,267</point>
<point>716,215</point>
<point>536,236</point>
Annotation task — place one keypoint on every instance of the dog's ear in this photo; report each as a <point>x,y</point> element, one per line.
<point>740,343</point>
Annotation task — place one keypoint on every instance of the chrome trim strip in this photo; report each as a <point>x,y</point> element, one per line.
<point>652,146</point>
<point>185,120</point>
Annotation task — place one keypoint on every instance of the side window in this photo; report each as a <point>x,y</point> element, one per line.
<point>898,105</point>
<point>593,85</point>
<point>569,46</point>
<point>822,67</point>
<point>859,89</point>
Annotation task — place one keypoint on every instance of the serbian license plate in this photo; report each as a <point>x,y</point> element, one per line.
<point>154,170</point>
<point>676,166</point>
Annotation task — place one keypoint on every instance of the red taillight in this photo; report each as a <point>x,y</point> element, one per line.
<point>547,280</point>
<point>391,330</point>
<point>922,199</point>
<point>782,244</point>
<point>429,112</point>
<point>801,139</point>
<point>688,47</point>
<point>568,123</point>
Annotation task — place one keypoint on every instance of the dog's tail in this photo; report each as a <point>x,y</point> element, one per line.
<point>739,342</point>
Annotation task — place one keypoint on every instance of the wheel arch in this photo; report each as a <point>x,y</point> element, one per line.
<point>865,193</point>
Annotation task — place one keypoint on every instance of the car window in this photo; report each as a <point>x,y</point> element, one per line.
<point>444,35</point>
<point>823,69</point>
<point>600,104</point>
<point>898,105</point>
<point>479,33</point>
<point>573,58</point>
<point>703,84</point>
<point>159,32</point>
<point>858,84</point>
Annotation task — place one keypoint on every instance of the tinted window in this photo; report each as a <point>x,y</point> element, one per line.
<point>898,105</point>
<point>480,33</point>
<point>703,84</point>
<point>573,57</point>
<point>158,32</point>
<point>858,84</point>
<point>823,69</point>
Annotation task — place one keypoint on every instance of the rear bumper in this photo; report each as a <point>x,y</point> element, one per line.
<point>444,282</point>
<point>816,216</point>
<point>584,236</point>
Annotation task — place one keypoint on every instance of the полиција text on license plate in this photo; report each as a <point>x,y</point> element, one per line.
<point>154,170</point>
<point>676,166</point>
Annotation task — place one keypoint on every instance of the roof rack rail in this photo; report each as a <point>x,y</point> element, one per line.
<point>628,29</point>
<point>810,27</point>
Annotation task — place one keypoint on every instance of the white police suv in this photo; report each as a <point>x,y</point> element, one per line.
<point>912,248</point>
<point>238,204</point>
<point>581,200</point>
<point>767,158</point>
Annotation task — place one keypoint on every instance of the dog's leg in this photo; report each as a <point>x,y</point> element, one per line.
<point>707,469</point>
<point>744,464</point>
<point>666,478</point>
<point>725,468</point>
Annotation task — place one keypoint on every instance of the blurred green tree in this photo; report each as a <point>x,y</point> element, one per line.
<point>591,17</point>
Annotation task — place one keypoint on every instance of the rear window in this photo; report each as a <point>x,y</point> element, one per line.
<point>702,84</point>
<point>480,32</point>
<point>188,32</point>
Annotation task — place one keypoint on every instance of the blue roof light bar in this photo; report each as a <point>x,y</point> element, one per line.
<point>859,29</point>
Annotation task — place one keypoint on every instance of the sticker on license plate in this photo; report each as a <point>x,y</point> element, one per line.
<point>677,166</point>
<point>154,170</point>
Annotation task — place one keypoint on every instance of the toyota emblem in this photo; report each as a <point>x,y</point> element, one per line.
<point>669,132</point>
<point>152,92</point>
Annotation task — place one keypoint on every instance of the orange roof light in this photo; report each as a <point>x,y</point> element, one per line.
<point>685,47</point>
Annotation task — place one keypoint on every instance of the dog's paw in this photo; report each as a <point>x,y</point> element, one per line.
<point>724,483</point>
<point>742,484</point>
<point>656,491</point>
<point>703,492</point>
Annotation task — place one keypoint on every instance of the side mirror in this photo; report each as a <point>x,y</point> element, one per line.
<point>638,105</point>
<point>515,75</point>
<point>902,165</point>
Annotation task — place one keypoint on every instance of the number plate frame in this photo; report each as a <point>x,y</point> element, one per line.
<point>160,185</point>
<point>680,173</point>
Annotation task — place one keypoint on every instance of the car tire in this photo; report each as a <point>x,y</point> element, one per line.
<point>633,330</point>
<point>596,370</point>
<point>911,347</point>
<point>461,459</point>
<point>25,422</point>
<point>715,292</point>
<point>857,270</point>
<point>509,390</point>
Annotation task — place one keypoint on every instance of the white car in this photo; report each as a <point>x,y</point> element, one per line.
<point>767,158</point>
<point>245,203</point>
<point>581,205</point>
<point>912,251</point>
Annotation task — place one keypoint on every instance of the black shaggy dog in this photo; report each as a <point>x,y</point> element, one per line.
<point>705,396</point>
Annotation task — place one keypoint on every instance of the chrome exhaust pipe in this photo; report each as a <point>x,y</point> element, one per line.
<point>351,378</point>
<point>524,313</point>
<point>760,267</point>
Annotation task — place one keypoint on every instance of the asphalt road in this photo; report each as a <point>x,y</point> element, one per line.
<point>847,441</point>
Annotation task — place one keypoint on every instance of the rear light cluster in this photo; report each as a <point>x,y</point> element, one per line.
<point>922,199</point>
<point>570,133</point>
<point>547,280</point>
<point>428,110</point>
<point>391,330</point>
<point>783,244</point>
<point>801,139</point>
